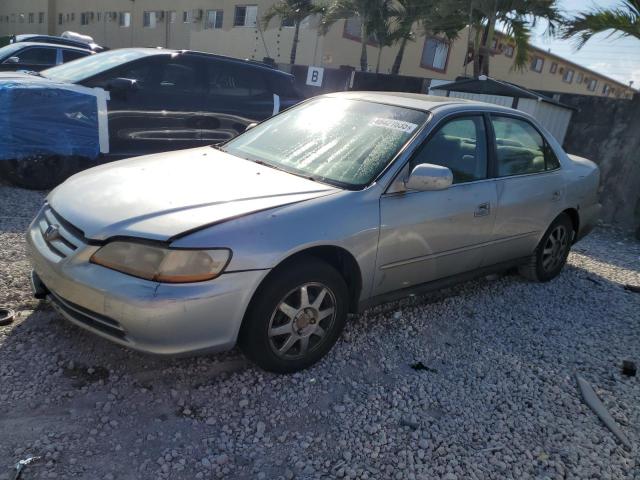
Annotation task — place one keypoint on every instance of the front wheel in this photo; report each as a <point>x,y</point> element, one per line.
<point>551,254</point>
<point>296,317</point>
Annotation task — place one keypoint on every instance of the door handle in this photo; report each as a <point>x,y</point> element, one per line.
<point>482,210</point>
<point>556,196</point>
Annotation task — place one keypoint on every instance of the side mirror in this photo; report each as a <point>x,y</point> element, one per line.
<point>121,85</point>
<point>12,60</point>
<point>426,177</point>
<point>250,126</point>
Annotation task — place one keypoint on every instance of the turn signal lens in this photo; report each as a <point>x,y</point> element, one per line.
<point>162,264</point>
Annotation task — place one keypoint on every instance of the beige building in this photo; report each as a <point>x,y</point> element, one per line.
<point>232,27</point>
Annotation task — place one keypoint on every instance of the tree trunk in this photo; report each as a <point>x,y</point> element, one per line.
<point>294,47</point>
<point>487,40</point>
<point>363,54</point>
<point>476,53</point>
<point>398,61</point>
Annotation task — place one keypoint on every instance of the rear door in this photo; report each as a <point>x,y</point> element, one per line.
<point>529,184</point>
<point>425,236</point>
<point>235,96</point>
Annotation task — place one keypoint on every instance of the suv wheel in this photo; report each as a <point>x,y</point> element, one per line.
<point>551,254</point>
<point>296,317</point>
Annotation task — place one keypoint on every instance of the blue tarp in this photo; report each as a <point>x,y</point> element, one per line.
<point>39,117</point>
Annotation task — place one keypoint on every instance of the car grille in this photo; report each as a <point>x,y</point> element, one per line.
<point>91,319</point>
<point>62,238</point>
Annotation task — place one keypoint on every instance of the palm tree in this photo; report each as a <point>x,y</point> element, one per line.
<point>365,10</point>
<point>294,11</point>
<point>516,17</point>
<point>432,17</point>
<point>381,28</point>
<point>623,20</point>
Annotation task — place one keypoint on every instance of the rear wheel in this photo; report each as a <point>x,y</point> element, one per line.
<point>551,254</point>
<point>39,172</point>
<point>296,317</point>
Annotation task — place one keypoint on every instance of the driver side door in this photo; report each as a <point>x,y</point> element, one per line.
<point>430,235</point>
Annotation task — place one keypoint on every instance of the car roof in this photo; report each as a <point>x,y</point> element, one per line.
<point>42,38</point>
<point>239,61</point>
<point>424,102</point>
<point>52,45</point>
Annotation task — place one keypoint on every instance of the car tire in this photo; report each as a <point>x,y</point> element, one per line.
<point>551,253</point>
<point>39,172</point>
<point>284,331</point>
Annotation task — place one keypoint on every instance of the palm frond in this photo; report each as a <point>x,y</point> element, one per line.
<point>623,21</point>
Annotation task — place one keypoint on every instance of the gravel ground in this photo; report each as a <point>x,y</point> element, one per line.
<point>497,397</point>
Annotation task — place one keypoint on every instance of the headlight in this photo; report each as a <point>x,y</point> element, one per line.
<point>162,264</point>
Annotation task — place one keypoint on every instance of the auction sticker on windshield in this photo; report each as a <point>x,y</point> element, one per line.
<point>392,124</point>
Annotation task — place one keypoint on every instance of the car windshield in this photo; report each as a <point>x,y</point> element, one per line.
<point>333,140</point>
<point>83,68</point>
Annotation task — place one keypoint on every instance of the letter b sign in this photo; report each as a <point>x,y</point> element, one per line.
<point>315,76</point>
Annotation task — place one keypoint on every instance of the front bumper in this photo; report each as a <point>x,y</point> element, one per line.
<point>170,319</point>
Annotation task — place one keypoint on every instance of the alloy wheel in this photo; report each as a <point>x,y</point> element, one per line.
<point>555,248</point>
<point>302,320</point>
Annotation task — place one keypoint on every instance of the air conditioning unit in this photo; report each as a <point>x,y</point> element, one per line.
<point>196,15</point>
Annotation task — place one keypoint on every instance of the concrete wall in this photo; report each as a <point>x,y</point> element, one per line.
<point>607,132</point>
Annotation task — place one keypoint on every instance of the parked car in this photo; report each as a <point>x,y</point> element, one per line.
<point>38,56</point>
<point>70,40</point>
<point>160,100</point>
<point>337,204</point>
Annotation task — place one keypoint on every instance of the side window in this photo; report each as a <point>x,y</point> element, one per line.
<point>38,56</point>
<point>228,80</point>
<point>460,145</point>
<point>521,149</point>
<point>69,55</point>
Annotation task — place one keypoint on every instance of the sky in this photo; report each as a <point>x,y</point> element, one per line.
<point>618,58</point>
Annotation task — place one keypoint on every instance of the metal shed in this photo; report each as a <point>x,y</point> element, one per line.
<point>552,114</point>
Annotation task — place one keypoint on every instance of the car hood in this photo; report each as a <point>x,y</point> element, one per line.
<point>165,195</point>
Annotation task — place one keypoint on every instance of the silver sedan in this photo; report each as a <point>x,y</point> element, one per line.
<point>271,239</point>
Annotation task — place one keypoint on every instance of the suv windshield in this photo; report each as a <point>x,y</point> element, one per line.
<point>338,141</point>
<point>83,68</point>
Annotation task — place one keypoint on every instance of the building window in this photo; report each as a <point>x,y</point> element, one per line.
<point>288,22</point>
<point>73,16</point>
<point>606,89</point>
<point>41,17</point>
<point>245,16</point>
<point>554,67</point>
<point>149,19</point>
<point>580,77</point>
<point>99,16</point>
<point>435,54</point>
<point>21,18</point>
<point>213,19</point>
<point>172,16</point>
<point>60,19</point>
<point>537,63</point>
<point>84,18</point>
<point>509,50</point>
<point>187,16</point>
<point>352,30</point>
<point>124,19</point>
<point>592,85</point>
<point>568,76</point>
<point>32,18</point>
